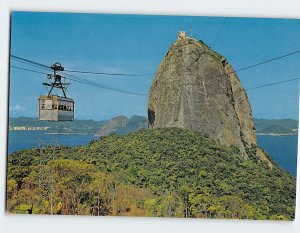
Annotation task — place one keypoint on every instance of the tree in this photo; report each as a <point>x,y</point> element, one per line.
<point>99,199</point>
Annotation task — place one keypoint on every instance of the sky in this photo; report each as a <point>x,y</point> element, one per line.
<point>137,44</point>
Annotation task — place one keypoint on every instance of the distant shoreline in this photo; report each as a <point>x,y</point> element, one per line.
<point>68,133</point>
<point>29,129</point>
<point>63,133</point>
<point>276,134</point>
<point>82,133</point>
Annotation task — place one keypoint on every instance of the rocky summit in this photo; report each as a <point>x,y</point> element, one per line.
<point>197,89</point>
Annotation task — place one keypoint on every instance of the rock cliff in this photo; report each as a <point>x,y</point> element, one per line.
<point>197,89</point>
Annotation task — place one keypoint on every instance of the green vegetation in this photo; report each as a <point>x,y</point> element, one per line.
<point>163,172</point>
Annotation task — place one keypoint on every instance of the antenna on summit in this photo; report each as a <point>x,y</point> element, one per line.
<point>181,35</point>
<point>190,31</point>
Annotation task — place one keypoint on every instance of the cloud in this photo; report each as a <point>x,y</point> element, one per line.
<point>17,108</point>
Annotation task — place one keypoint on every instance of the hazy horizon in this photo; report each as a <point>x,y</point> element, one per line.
<point>147,117</point>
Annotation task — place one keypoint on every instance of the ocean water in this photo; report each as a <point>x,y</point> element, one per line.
<point>24,139</point>
<point>283,149</point>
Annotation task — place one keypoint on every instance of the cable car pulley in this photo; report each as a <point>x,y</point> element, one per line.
<point>55,107</point>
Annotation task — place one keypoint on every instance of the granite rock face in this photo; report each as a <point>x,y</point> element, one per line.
<point>195,88</point>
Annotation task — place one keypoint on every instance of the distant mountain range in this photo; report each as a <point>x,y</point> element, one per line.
<point>276,126</point>
<point>124,125</point>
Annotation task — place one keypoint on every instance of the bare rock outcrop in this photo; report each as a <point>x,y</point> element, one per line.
<point>195,88</point>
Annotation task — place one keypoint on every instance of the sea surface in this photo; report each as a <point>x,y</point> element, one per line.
<point>23,139</point>
<point>283,149</point>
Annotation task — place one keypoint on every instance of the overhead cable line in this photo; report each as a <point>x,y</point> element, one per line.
<point>30,61</point>
<point>97,84</point>
<point>257,87</point>
<point>105,87</point>
<point>105,73</point>
<point>34,71</point>
<point>148,74</point>
<point>87,82</point>
<point>219,32</point>
<point>34,63</point>
<point>267,61</point>
<point>272,84</point>
<point>76,78</point>
<point>257,64</point>
<point>84,81</point>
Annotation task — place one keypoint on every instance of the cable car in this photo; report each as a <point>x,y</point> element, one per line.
<point>55,107</point>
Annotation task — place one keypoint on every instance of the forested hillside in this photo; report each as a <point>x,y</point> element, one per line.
<point>163,173</point>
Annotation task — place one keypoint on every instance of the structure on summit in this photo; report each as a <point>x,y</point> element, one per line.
<point>197,89</point>
<point>181,35</point>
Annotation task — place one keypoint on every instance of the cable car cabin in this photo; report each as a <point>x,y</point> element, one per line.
<point>56,108</point>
